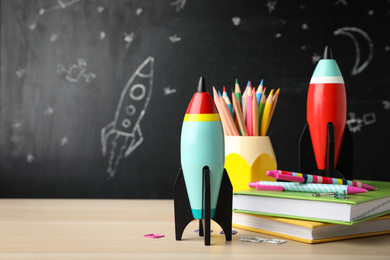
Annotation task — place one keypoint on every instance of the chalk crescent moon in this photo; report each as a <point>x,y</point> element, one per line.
<point>350,32</point>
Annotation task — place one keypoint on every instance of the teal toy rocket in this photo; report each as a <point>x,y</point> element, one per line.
<point>202,189</point>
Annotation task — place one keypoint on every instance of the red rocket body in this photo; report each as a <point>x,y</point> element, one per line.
<point>326,103</point>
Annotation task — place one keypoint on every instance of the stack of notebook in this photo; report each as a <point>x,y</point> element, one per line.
<point>302,217</point>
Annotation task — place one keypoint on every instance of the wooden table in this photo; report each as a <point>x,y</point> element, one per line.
<point>114,229</point>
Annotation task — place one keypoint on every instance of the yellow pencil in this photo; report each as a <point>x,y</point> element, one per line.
<point>274,101</point>
<point>266,114</point>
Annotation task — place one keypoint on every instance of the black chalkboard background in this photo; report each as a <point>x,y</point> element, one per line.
<point>65,63</point>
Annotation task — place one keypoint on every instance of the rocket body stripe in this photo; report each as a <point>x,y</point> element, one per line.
<point>334,80</point>
<point>326,102</point>
<point>202,117</point>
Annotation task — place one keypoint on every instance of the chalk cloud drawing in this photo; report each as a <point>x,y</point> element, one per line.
<point>76,72</point>
<point>354,33</point>
<point>179,4</point>
<point>124,134</point>
<point>236,20</point>
<point>356,124</point>
<point>168,91</point>
<point>174,38</point>
<point>58,5</point>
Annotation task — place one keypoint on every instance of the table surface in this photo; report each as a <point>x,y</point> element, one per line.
<point>113,229</point>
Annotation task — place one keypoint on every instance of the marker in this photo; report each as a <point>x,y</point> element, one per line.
<point>308,178</point>
<point>308,187</point>
<point>284,177</point>
<point>202,144</point>
<point>326,103</point>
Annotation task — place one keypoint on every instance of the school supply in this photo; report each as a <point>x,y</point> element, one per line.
<point>310,231</point>
<point>250,113</point>
<point>302,205</point>
<point>307,178</point>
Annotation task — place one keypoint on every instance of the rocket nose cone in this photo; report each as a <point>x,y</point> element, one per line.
<point>328,53</point>
<point>202,85</point>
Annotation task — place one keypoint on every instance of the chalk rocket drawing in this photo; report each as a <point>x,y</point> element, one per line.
<point>123,134</point>
<point>353,33</point>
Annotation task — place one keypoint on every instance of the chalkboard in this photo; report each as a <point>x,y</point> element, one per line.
<point>71,126</point>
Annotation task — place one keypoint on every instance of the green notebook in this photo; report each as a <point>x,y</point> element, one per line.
<point>302,205</point>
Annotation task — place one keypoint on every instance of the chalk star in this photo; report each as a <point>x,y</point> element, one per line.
<point>64,141</point>
<point>386,104</point>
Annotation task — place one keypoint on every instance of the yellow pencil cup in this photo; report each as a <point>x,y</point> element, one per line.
<point>247,159</point>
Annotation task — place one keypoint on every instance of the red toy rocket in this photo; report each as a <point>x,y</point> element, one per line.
<point>326,133</point>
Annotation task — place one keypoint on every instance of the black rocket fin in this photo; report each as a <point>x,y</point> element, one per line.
<point>183,213</point>
<point>223,212</point>
<point>345,160</point>
<point>205,223</point>
<point>307,159</point>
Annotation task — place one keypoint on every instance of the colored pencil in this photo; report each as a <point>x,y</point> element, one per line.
<point>249,112</point>
<point>261,110</point>
<point>274,101</point>
<point>259,92</point>
<point>221,114</point>
<point>244,114</point>
<point>255,115</point>
<point>266,114</point>
<point>229,118</point>
<point>240,117</point>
